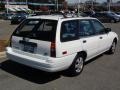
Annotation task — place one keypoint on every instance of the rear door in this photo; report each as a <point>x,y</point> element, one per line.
<point>35,36</point>
<point>69,42</point>
<point>88,38</point>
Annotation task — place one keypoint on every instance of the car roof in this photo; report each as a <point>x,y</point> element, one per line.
<point>57,17</point>
<point>53,17</point>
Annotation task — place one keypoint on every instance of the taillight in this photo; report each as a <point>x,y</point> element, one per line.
<point>53,49</point>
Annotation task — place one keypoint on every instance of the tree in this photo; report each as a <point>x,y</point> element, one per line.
<point>2,6</point>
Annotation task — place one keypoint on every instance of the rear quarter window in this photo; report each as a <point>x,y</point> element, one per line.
<point>69,30</point>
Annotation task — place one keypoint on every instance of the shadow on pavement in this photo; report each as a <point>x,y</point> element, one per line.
<point>28,73</point>
<point>93,59</point>
<point>35,75</point>
<point>66,74</point>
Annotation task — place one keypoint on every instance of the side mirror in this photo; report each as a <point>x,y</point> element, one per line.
<point>107,30</point>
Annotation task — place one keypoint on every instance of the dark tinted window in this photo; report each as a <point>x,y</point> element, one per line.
<point>97,14</point>
<point>111,13</point>
<point>99,28</point>
<point>69,30</point>
<point>37,29</point>
<point>85,28</point>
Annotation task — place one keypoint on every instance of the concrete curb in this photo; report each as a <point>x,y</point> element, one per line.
<point>2,54</point>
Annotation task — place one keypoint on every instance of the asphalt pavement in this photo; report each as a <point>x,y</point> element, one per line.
<point>101,73</point>
<point>6,29</point>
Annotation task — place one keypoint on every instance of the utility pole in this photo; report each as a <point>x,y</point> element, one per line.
<point>92,4</point>
<point>109,4</point>
<point>26,2</point>
<point>79,8</point>
<point>7,5</point>
<point>57,5</point>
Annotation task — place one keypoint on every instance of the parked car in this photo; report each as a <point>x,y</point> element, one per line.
<point>1,15</point>
<point>88,13</point>
<point>54,43</point>
<point>83,14</point>
<point>102,17</point>
<point>18,17</point>
<point>114,14</point>
<point>7,16</point>
<point>118,14</point>
<point>107,17</point>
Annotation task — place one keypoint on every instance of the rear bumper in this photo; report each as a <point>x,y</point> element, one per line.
<point>44,63</point>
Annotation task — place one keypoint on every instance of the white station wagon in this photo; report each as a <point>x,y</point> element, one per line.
<point>54,43</point>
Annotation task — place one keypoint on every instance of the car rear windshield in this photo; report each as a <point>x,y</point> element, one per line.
<point>40,29</point>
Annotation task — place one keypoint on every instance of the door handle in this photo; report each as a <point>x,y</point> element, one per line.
<point>101,37</point>
<point>84,41</point>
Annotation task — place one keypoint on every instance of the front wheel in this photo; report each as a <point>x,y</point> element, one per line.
<point>113,21</point>
<point>77,66</point>
<point>112,48</point>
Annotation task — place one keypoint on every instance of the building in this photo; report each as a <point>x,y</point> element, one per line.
<point>45,4</point>
<point>15,5</point>
<point>45,1</point>
<point>35,4</point>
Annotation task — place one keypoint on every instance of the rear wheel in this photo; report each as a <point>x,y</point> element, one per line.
<point>77,66</point>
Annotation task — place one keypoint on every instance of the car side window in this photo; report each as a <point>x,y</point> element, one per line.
<point>69,30</point>
<point>85,28</point>
<point>99,28</point>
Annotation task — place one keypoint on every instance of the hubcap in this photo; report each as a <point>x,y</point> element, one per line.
<point>79,64</point>
<point>112,21</point>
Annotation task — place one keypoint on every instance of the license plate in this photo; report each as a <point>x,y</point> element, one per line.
<point>28,48</point>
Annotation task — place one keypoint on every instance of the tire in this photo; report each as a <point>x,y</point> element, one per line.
<point>112,21</point>
<point>77,66</point>
<point>112,48</point>
<point>12,22</point>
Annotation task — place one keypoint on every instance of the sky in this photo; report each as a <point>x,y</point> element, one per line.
<point>75,1</point>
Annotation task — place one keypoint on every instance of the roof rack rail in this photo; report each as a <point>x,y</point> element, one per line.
<point>65,15</point>
<point>59,13</point>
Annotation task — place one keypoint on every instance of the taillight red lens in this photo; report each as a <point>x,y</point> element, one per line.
<point>53,49</point>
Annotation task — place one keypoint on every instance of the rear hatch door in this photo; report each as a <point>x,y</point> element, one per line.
<point>34,36</point>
